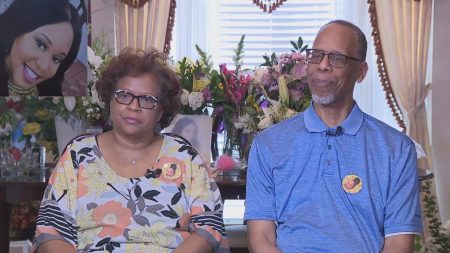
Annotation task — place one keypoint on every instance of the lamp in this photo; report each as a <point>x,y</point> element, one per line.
<point>273,5</point>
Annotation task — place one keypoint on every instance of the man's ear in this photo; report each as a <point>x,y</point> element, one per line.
<point>363,68</point>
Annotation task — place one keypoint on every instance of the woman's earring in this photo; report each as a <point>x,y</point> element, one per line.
<point>158,128</point>
<point>110,122</point>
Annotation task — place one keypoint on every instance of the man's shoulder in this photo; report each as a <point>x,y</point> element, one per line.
<point>374,124</point>
<point>385,134</point>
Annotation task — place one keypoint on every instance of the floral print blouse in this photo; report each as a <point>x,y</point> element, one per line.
<point>96,210</point>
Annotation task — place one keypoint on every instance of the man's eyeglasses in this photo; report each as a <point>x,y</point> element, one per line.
<point>144,101</point>
<point>336,60</point>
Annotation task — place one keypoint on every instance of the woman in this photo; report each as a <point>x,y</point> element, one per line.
<point>133,189</point>
<point>39,40</point>
<point>187,128</point>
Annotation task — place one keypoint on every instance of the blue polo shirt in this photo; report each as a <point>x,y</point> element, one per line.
<point>299,177</point>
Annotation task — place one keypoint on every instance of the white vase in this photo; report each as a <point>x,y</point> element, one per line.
<point>65,132</point>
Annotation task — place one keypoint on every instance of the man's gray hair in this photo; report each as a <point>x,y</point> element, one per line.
<point>362,42</point>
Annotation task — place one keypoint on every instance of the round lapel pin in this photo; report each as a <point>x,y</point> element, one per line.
<point>352,184</point>
<point>171,171</point>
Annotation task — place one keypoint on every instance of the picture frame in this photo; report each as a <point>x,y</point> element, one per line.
<point>197,130</point>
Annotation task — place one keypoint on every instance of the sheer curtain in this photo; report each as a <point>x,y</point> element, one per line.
<point>369,93</point>
<point>191,27</point>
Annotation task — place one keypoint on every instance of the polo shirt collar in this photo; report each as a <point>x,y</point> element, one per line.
<point>350,125</point>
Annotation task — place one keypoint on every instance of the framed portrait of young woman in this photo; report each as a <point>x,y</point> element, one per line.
<point>197,130</point>
<point>43,47</point>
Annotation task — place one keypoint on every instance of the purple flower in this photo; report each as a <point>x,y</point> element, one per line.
<point>200,75</point>
<point>219,109</point>
<point>220,127</point>
<point>268,80</point>
<point>243,141</point>
<point>206,95</point>
<point>296,94</point>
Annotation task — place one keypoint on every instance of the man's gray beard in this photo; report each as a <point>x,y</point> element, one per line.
<point>324,100</point>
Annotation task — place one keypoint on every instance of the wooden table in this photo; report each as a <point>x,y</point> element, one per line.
<point>13,193</point>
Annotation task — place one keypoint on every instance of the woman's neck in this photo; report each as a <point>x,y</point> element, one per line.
<point>133,143</point>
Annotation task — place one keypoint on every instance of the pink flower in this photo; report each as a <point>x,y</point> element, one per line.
<point>225,71</point>
<point>299,69</point>
<point>237,97</point>
<point>219,109</point>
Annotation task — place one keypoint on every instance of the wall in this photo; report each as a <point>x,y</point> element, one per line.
<point>441,104</point>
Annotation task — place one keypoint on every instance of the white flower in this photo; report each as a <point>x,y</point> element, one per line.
<point>185,97</point>
<point>83,98</point>
<point>94,59</point>
<point>195,100</point>
<point>56,100</point>
<point>5,131</point>
<point>259,73</point>
<point>265,121</point>
<point>95,99</point>
<point>85,103</point>
<point>69,102</point>
<point>90,110</point>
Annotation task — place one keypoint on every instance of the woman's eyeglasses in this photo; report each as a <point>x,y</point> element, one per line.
<point>336,60</point>
<point>144,101</point>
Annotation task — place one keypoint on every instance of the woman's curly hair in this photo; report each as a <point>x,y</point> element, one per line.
<point>134,63</point>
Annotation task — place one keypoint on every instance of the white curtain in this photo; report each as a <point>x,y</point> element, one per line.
<point>143,27</point>
<point>191,27</point>
<point>369,93</point>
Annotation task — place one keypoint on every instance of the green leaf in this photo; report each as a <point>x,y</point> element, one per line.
<point>293,51</point>
<point>250,110</point>
<point>300,42</point>
<point>293,44</point>
<point>266,58</point>
<point>304,48</point>
<point>228,107</point>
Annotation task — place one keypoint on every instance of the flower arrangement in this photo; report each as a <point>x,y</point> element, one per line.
<point>271,95</point>
<point>283,83</point>
<point>195,78</point>
<point>40,113</point>
<point>244,102</point>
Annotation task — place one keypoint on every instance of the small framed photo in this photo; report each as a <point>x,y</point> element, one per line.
<point>197,130</point>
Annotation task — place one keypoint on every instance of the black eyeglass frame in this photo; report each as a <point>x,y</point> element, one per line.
<point>134,96</point>
<point>308,52</point>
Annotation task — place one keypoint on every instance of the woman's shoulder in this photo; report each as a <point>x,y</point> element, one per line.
<point>81,142</point>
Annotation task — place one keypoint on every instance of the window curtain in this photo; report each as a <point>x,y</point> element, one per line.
<point>143,27</point>
<point>369,93</point>
<point>191,28</point>
<point>404,32</point>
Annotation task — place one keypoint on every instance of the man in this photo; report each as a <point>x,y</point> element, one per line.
<point>333,179</point>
